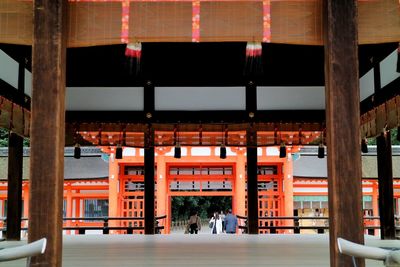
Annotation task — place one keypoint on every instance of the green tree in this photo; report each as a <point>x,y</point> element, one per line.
<point>393,137</point>
<point>4,139</point>
<point>205,206</point>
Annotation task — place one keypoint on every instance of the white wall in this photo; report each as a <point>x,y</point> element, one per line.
<point>200,98</point>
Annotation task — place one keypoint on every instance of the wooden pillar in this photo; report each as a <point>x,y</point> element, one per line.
<point>149,182</point>
<point>240,183</point>
<point>385,178</point>
<point>375,208</point>
<point>69,207</point>
<point>343,127</point>
<point>113,191</point>
<point>288,190</point>
<point>161,186</point>
<point>252,185</point>
<point>26,200</point>
<point>14,189</point>
<point>48,129</point>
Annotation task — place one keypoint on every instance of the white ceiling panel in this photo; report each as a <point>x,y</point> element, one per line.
<point>367,85</point>
<point>200,98</point>
<point>290,98</point>
<point>104,98</point>
<point>388,69</point>
<point>8,69</point>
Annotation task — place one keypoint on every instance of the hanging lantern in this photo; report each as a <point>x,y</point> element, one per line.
<point>321,151</point>
<point>177,151</point>
<point>282,150</point>
<point>77,151</point>
<point>253,64</point>
<point>118,152</point>
<point>133,52</point>
<point>222,152</point>
<point>364,145</point>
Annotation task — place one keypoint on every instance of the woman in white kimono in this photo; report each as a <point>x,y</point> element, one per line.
<point>216,224</point>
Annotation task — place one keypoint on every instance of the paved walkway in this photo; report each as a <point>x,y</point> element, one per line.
<point>181,250</point>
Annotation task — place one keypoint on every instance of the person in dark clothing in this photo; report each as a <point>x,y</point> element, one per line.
<point>231,223</point>
<point>194,223</point>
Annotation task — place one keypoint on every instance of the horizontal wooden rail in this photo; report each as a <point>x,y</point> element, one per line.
<point>105,227</point>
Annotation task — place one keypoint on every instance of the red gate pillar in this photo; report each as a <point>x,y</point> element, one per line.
<point>240,184</point>
<point>162,187</point>
<point>113,178</point>
<point>288,189</point>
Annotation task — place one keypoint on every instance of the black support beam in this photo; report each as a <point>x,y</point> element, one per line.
<point>252,183</point>
<point>14,190</point>
<point>214,116</point>
<point>148,100</point>
<point>251,98</point>
<point>149,217</point>
<point>385,178</point>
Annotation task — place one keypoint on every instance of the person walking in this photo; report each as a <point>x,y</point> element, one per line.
<point>194,223</point>
<point>231,223</point>
<point>216,224</point>
<point>222,216</point>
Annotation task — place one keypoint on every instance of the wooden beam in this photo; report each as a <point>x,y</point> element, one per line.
<point>252,183</point>
<point>388,92</point>
<point>14,95</point>
<point>149,216</point>
<point>251,99</point>
<point>343,127</point>
<point>385,184</point>
<point>14,190</point>
<point>377,77</point>
<point>148,100</point>
<point>204,117</point>
<point>47,129</point>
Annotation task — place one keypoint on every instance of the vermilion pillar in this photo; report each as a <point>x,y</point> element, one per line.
<point>375,207</point>
<point>113,190</point>
<point>240,184</point>
<point>288,188</point>
<point>69,206</point>
<point>161,184</point>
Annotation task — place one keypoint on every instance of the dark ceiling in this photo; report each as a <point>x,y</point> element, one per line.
<point>200,64</point>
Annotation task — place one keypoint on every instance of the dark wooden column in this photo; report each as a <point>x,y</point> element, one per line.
<point>148,99</point>
<point>251,98</point>
<point>14,190</point>
<point>252,186</point>
<point>385,178</point>
<point>15,157</point>
<point>343,127</point>
<point>149,182</point>
<point>47,129</point>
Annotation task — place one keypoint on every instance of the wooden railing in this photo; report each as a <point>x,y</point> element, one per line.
<point>281,224</point>
<point>182,224</point>
<point>83,224</point>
